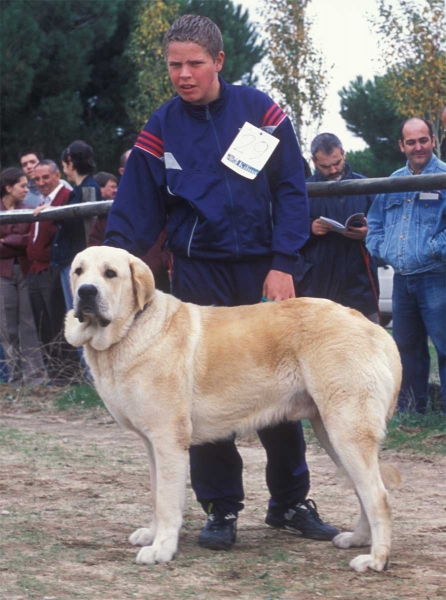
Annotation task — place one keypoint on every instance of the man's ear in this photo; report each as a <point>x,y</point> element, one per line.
<point>219,61</point>
<point>143,282</point>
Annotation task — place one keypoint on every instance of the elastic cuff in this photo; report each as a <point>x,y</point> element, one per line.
<point>284,263</point>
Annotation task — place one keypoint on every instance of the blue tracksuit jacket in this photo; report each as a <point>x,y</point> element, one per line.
<point>174,175</point>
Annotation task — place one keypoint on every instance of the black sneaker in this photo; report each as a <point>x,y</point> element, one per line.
<point>220,531</point>
<point>302,519</point>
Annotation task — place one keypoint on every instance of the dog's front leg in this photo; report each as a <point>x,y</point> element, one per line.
<point>144,536</point>
<point>171,463</point>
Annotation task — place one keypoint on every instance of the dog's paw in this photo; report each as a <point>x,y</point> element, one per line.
<point>366,561</point>
<point>143,536</point>
<point>349,539</point>
<point>158,553</point>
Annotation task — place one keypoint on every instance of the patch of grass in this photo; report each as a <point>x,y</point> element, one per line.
<point>407,431</point>
<point>81,396</point>
<point>48,448</point>
<point>421,433</point>
<point>31,584</point>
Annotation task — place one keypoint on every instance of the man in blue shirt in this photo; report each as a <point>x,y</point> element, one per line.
<point>408,231</point>
<point>233,238</point>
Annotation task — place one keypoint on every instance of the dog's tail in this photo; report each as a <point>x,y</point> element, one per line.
<point>389,474</point>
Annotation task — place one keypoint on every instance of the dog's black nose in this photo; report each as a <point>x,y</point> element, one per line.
<point>87,291</point>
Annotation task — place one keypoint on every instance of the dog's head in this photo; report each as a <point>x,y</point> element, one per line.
<point>110,286</point>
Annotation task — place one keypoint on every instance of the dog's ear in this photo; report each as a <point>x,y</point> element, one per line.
<point>143,282</point>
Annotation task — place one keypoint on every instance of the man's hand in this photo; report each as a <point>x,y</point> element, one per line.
<point>356,233</point>
<point>319,227</point>
<point>278,286</point>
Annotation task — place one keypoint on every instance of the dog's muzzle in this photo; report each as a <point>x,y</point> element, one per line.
<point>87,304</point>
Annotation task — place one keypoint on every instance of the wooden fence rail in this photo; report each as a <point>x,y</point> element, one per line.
<point>350,187</point>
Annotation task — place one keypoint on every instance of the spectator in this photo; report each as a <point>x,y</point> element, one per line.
<point>108,184</point>
<point>28,159</point>
<point>335,265</point>
<point>123,161</point>
<point>44,283</point>
<point>72,234</point>
<point>18,334</point>
<point>226,251</point>
<point>408,231</point>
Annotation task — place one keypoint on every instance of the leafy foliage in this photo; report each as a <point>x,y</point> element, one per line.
<point>61,76</point>
<point>295,68</point>
<point>414,43</point>
<point>152,86</point>
<point>371,115</point>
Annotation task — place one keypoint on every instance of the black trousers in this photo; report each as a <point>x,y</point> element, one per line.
<point>216,468</point>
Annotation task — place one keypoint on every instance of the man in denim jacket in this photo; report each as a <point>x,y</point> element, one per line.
<point>408,231</point>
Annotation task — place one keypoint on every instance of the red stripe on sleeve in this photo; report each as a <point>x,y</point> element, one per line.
<point>148,147</point>
<point>278,118</point>
<point>154,140</point>
<point>266,117</point>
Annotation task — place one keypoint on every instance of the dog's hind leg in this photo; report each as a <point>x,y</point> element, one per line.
<point>358,538</point>
<point>171,460</point>
<point>144,536</point>
<point>361,535</point>
<point>357,449</point>
<point>324,440</point>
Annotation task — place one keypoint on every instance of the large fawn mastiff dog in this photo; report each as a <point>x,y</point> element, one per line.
<point>179,374</point>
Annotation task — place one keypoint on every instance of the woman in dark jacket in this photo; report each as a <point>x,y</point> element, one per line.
<point>18,334</point>
<point>72,234</point>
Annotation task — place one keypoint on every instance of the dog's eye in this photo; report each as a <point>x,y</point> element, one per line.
<point>109,273</point>
<point>78,271</point>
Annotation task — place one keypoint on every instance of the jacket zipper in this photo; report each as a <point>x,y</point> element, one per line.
<point>231,198</point>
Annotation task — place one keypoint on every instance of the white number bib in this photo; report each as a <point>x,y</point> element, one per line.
<point>250,151</point>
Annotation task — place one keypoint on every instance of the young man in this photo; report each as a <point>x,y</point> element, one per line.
<point>408,231</point>
<point>234,239</point>
<point>335,265</point>
<point>28,159</point>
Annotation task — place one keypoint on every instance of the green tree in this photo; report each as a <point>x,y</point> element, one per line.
<point>295,68</point>
<point>371,115</point>
<point>413,42</point>
<point>152,86</point>
<point>55,85</point>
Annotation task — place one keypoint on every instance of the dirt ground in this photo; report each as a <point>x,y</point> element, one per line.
<point>74,487</point>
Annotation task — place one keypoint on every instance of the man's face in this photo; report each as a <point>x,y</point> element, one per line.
<point>331,166</point>
<point>417,144</point>
<point>27,163</point>
<point>193,72</point>
<point>46,179</point>
<point>109,190</point>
